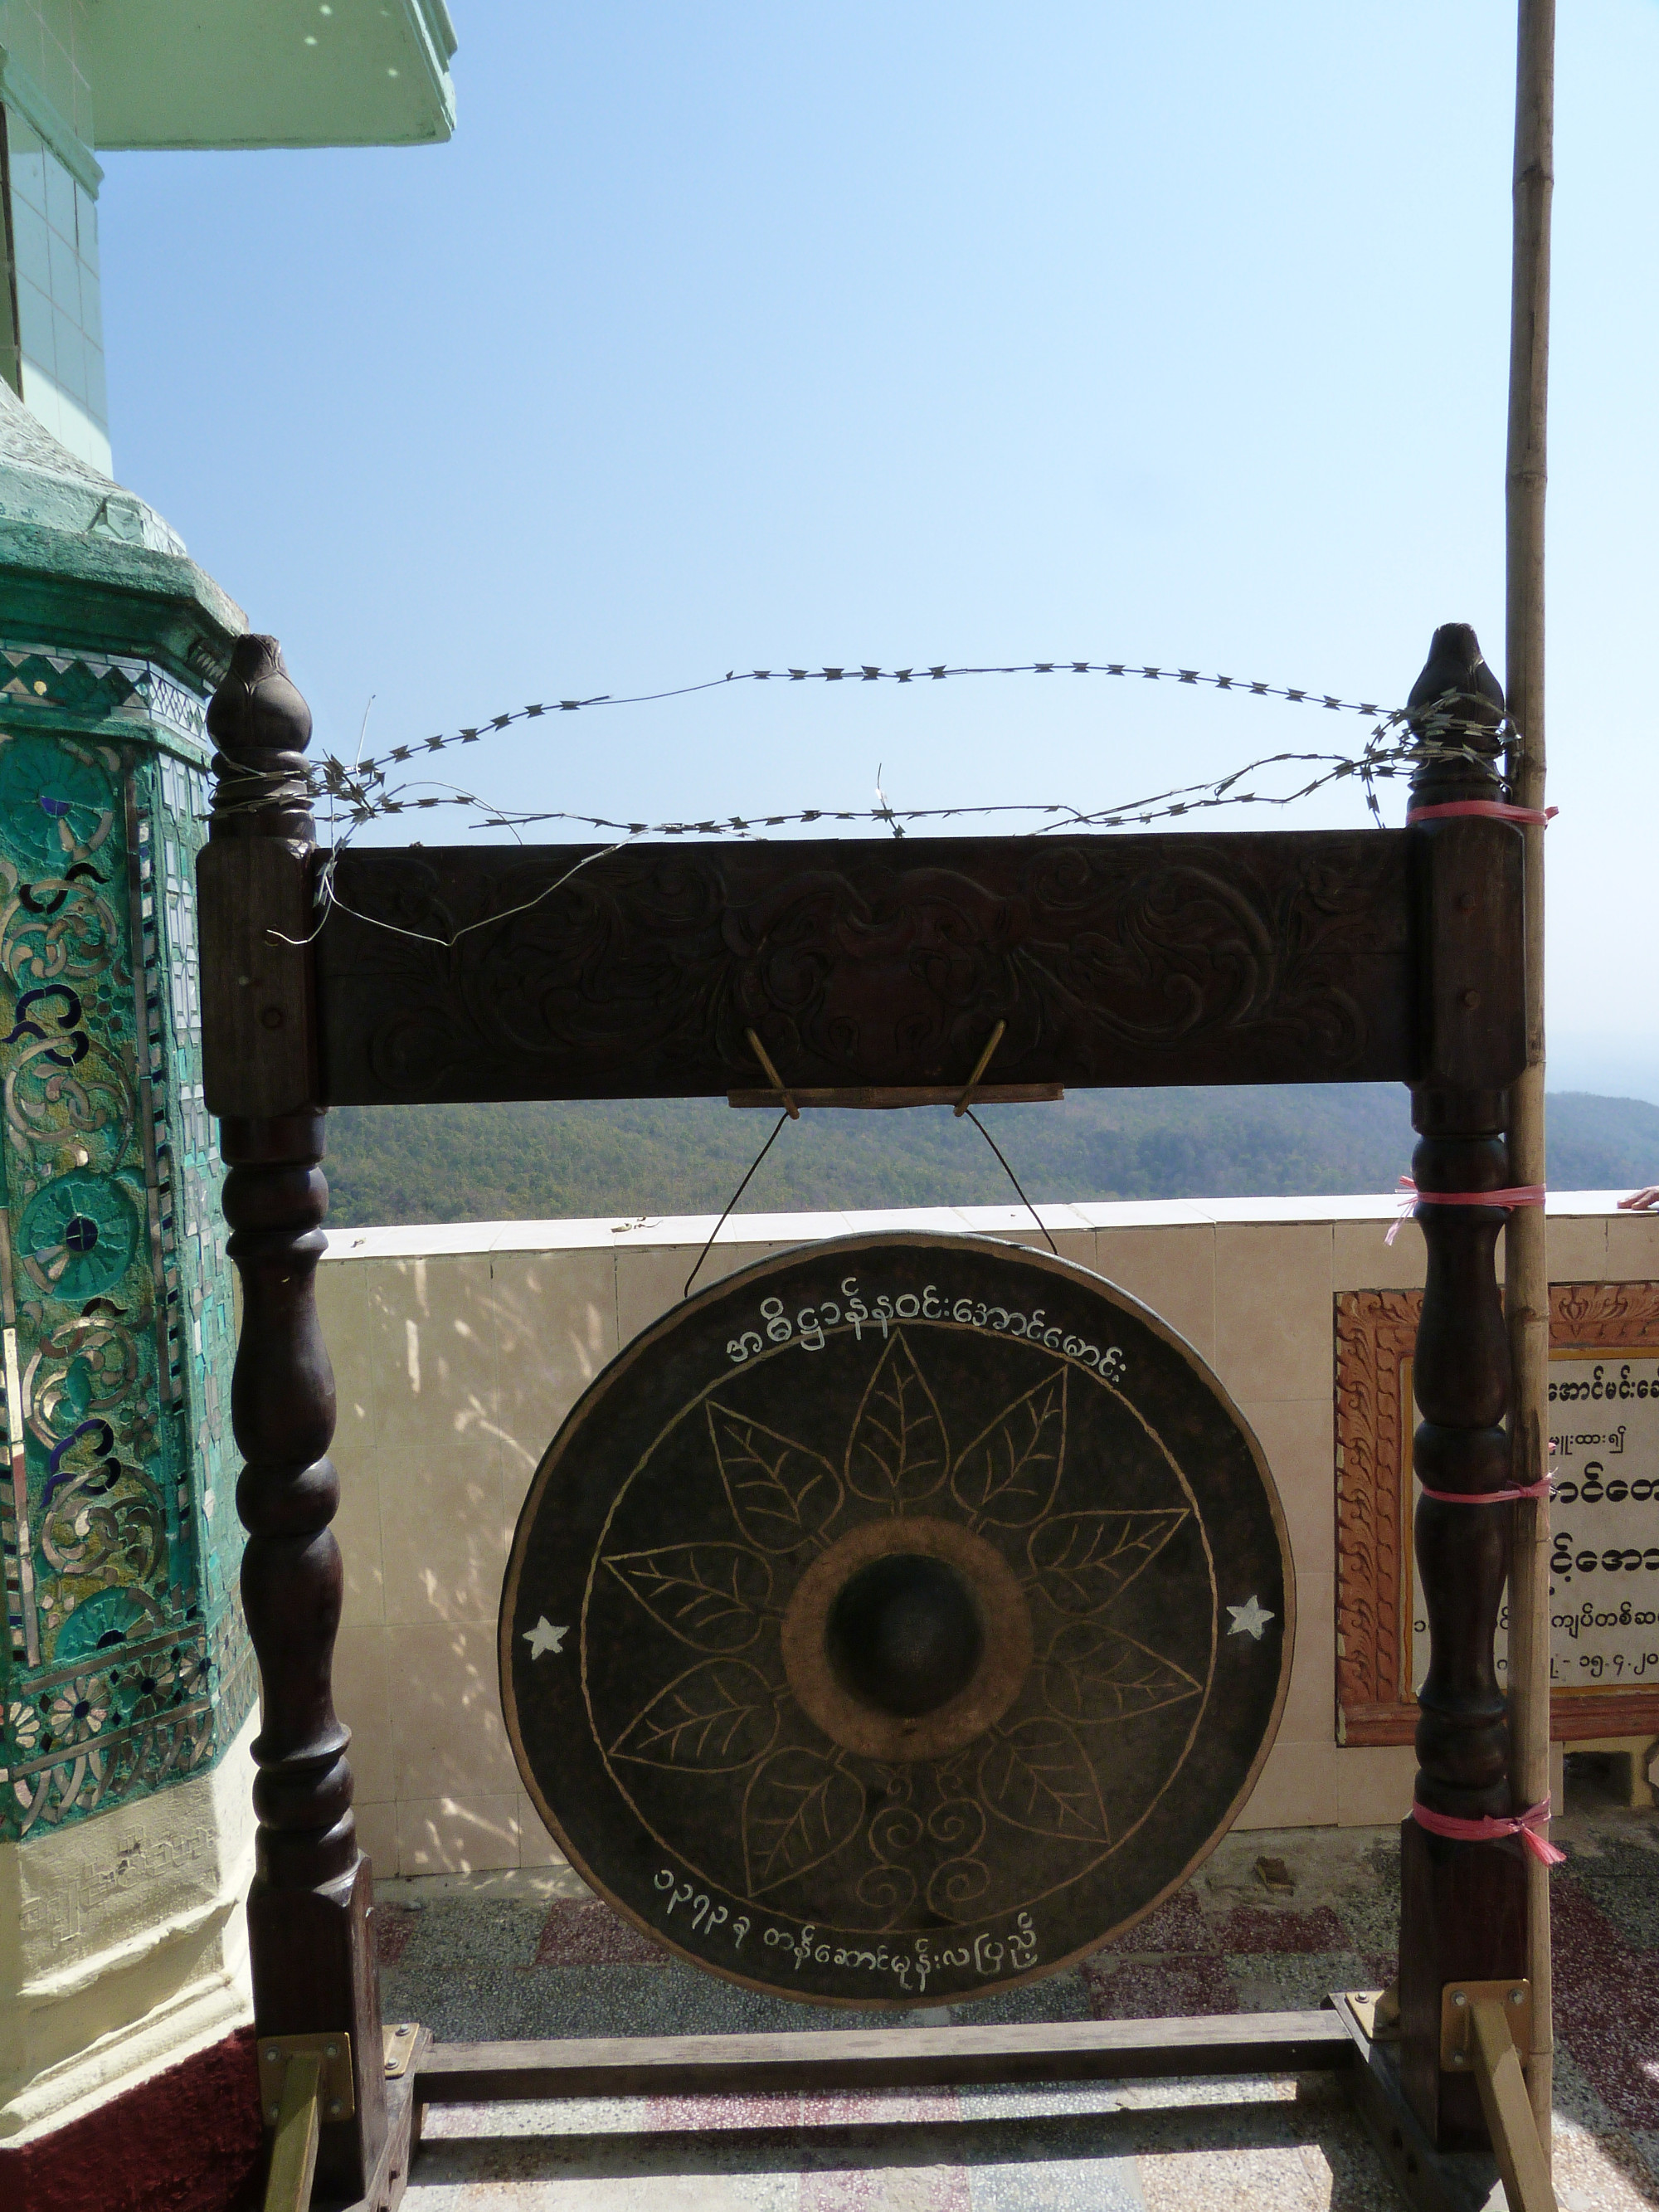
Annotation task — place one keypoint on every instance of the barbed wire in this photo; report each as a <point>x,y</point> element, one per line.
<point>400,756</point>
<point>1378,763</point>
<point>1401,739</point>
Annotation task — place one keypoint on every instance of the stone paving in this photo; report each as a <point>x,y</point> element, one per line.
<point>1272,1921</point>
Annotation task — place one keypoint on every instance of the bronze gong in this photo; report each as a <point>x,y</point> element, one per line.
<point>897,1620</point>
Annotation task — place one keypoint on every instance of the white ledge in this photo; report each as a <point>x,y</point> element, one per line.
<point>456,1239</point>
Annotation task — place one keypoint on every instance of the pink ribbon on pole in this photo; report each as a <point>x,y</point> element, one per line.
<point>1495,809</point>
<point>1524,1193</point>
<point>1489,1496</point>
<point>1486,1830</point>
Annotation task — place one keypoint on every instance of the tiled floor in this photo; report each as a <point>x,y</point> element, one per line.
<point>531,1954</point>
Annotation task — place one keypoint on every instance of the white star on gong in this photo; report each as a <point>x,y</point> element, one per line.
<point>544,1636</point>
<point>1250,1619</point>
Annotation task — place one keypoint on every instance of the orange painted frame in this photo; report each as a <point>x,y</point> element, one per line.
<point>1376,1332</point>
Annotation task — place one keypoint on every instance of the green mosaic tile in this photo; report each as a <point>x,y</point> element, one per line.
<point>125,1664</point>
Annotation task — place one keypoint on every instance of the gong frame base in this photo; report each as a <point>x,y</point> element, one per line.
<point>1431,2181</point>
<point>1331,2040</point>
<point>824,2059</point>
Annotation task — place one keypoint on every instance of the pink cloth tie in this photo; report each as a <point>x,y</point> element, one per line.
<point>1486,1830</point>
<point>1524,1193</point>
<point>1489,1496</point>
<point>1495,809</point>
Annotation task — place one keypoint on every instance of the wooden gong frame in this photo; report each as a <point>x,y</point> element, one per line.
<point>1289,956</point>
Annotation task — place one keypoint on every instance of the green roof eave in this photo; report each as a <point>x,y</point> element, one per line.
<point>259,73</point>
<point>99,596</point>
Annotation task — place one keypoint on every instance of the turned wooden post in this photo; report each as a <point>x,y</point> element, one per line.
<point>309,1911</point>
<point>1462,1905</point>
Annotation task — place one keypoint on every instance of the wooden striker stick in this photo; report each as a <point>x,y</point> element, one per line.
<point>1526,1260</point>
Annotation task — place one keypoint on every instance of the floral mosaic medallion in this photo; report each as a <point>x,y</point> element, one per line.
<point>897,1620</point>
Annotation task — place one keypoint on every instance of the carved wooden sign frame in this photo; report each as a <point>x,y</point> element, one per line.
<point>1376,1334</point>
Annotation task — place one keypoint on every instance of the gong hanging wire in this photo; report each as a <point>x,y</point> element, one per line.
<point>776,1128</point>
<point>731,1201</point>
<point>1012,1178</point>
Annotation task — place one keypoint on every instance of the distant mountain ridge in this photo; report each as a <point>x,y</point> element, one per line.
<point>400,1164</point>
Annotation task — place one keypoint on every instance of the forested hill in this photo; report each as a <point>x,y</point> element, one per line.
<point>420,1163</point>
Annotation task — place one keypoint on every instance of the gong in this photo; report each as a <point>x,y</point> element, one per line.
<point>897,1620</point>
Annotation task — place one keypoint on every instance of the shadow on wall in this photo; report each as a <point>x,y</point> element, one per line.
<point>453,1373</point>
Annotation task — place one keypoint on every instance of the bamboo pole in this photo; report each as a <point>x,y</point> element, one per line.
<point>1526,1257</point>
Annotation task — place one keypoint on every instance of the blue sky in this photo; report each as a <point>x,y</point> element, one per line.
<point>744,335</point>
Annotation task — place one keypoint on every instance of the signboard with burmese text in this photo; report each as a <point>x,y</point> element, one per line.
<point>1604,1515</point>
<point>1604,1521</point>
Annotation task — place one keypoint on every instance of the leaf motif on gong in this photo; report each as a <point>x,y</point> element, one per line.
<point>1094,1674</point>
<point>798,1810</point>
<point>1086,1560</point>
<point>1008,1475</point>
<point>1037,1776</point>
<point>712,1596</point>
<point>898,1452</point>
<point>719,1715</point>
<point>782,1493</point>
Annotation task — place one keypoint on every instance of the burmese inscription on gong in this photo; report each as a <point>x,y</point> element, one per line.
<point>896,1621</point>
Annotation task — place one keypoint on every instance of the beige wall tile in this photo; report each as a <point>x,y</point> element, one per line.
<point>442,1534</point>
<point>1374,1784</point>
<point>1297,1788</point>
<point>536,1847</point>
<point>361,1701</point>
<point>342,1309</point>
<point>1632,1248</point>
<point>1578,1249</point>
<point>1274,1329</point>
<point>1299,1437</point>
<point>1310,1714</point>
<point>432,1477</point>
<point>443,1835</point>
<point>377,1836</point>
<point>432,1337</point>
<point>649,1282</point>
<point>1170,1270</point>
<point>356,1527</point>
<point>1076,1245</point>
<point>447,1734</point>
<point>1363,1260</point>
<point>556,1328</point>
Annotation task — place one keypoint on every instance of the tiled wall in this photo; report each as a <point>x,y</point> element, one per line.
<point>457,1351</point>
<point>47,39</point>
<point>54,231</point>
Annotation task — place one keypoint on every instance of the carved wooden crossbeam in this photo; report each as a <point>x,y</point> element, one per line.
<point>454,975</point>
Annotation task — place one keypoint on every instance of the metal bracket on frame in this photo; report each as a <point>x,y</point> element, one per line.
<point>1458,2001</point>
<point>1378,2012</point>
<point>337,2098</point>
<point>303,2080</point>
<point>1485,2029</point>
